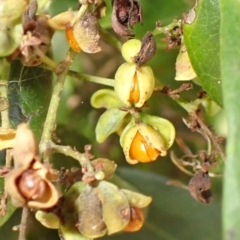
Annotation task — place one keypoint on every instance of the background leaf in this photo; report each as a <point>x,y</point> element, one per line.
<point>29,92</point>
<point>173,214</point>
<point>202,41</point>
<point>230,70</point>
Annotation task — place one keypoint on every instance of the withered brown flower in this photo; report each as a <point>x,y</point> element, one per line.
<point>29,183</point>
<point>147,51</point>
<point>125,14</point>
<point>200,187</point>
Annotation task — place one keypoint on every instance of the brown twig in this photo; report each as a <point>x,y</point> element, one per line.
<point>23,224</point>
<point>175,93</point>
<point>207,131</point>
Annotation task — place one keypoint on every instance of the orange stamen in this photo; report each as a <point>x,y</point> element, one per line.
<point>72,40</point>
<point>134,95</point>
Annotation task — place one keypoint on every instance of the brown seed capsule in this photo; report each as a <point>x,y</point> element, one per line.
<point>125,14</point>
<point>31,185</point>
<point>200,187</point>
<point>147,51</point>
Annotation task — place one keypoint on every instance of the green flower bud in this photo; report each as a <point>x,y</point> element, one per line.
<point>130,49</point>
<point>134,85</point>
<point>142,143</point>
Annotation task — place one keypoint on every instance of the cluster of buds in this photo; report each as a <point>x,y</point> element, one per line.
<point>92,211</point>
<point>29,183</point>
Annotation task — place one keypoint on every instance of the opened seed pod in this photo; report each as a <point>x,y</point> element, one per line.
<point>134,86</point>
<point>142,143</point>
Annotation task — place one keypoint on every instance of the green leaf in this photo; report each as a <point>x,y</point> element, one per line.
<point>173,214</point>
<point>29,91</point>
<point>230,65</point>
<point>202,41</point>
<point>109,122</point>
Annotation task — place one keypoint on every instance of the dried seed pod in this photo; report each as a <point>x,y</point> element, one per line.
<point>25,147</point>
<point>147,51</point>
<point>200,187</point>
<point>37,33</point>
<point>90,218</point>
<point>86,33</point>
<point>29,183</point>
<point>125,14</point>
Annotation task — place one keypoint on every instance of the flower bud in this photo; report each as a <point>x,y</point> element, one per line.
<point>130,49</point>
<point>142,143</point>
<point>134,85</point>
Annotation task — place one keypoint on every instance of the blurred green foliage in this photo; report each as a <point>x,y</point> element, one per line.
<point>174,214</point>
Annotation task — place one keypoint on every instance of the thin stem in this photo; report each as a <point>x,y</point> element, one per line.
<point>45,59</point>
<point>207,131</point>
<point>50,122</point>
<point>171,26</point>
<point>80,13</point>
<point>90,78</point>
<point>111,39</point>
<point>68,151</point>
<point>23,224</point>
<point>85,77</point>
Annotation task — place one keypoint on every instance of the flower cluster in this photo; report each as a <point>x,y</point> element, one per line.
<point>93,211</point>
<point>143,137</point>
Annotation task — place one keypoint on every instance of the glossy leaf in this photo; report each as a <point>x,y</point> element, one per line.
<point>201,36</point>
<point>230,63</point>
<point>29,94</point>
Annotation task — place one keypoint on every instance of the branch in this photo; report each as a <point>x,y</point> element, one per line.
<point>23,224</point>
<point>208,132</point>
<point>171,26</point>
<point>82,158</point>
<point>50,122</point>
